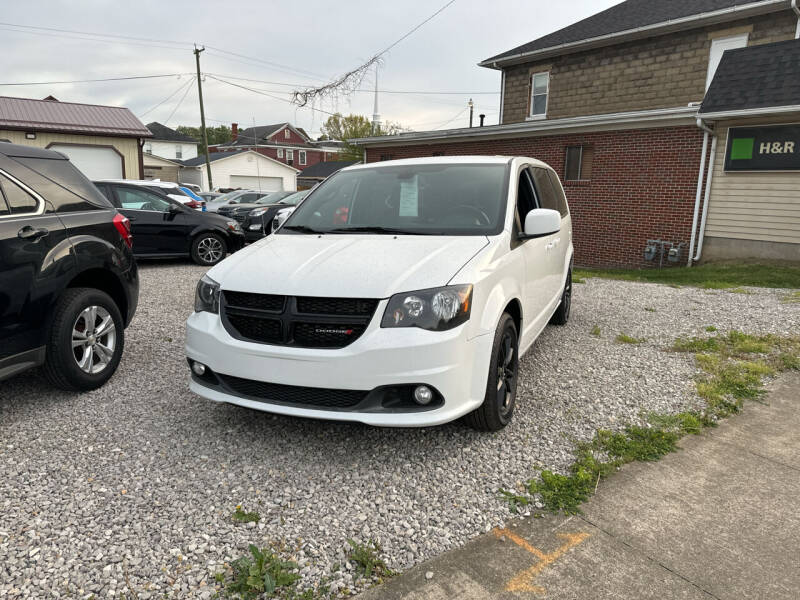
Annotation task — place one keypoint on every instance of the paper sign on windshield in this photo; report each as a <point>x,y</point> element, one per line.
<point>409,197</point>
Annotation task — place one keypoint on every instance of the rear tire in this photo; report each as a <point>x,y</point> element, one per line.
<point>497,409</point>
<point>86,340</point>
<point>208,249</point>
<point>561,316</point>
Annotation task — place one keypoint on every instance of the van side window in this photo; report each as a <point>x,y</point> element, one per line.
<point>3,206</point>
<point>560,197</point>
<point>544,189</point>
<point>19,201</point>
<point>526,198</point>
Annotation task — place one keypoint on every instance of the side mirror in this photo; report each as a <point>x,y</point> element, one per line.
<point>541,222</point>
<point>173,209</point>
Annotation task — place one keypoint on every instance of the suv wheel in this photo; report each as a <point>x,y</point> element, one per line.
<point>561,316</point>
<point>501,388</point>
<point>208,249</point>
<point>86,340</point>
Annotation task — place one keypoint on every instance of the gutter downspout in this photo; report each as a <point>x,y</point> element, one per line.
<point>796,9</point>
<point>702,232</point>
<point>703,155</point>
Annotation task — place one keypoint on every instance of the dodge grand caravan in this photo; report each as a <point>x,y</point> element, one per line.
<point>400,293</point>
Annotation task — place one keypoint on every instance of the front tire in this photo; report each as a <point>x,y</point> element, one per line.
<point>208,249</point>
<point>497,409</point>
<point>87,338</point>
<point>561,316</point>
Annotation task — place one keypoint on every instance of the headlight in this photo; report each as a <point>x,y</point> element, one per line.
<point>206,297</point>
<point>257,212</point>
<point>233,225</point>
<point>436,309</point>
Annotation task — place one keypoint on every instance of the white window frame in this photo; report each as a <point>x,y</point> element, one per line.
<point>543,115</point>
<point>730,42</point>
<point>286,133</point>
<point>301,157</point>
<point>178,151</point>
<point>289,155</point>
<point>148,147</point>
<point>280,152</point>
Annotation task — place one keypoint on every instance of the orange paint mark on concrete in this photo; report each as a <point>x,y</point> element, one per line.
<point>523,582</point>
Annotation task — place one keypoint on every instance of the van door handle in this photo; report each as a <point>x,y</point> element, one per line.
<point>549,245</point>
<point>32,233</point>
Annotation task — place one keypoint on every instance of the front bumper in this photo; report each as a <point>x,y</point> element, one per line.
<point>457,368</point>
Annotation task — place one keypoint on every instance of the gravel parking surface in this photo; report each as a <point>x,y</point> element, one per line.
<point>131,488</point>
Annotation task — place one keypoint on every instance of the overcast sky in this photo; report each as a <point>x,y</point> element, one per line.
<point>306,43</point>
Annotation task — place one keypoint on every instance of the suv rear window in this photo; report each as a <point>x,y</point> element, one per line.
<point>71,184</point>
<point>19,201</point>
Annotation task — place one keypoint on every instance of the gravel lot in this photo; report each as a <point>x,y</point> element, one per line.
<point>131,488</point>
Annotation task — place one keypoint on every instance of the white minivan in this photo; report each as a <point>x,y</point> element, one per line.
<point>399,293</point>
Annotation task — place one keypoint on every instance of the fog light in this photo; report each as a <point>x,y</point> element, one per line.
<point>423,395</point>
<point>199,369</point>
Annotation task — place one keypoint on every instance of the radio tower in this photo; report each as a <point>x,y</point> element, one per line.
<point>376,118</point>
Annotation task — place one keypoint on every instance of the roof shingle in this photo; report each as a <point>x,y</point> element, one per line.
<point>763,76</point>
<point>628,15</point>
<point>166,134</point>
<point>49,115</point>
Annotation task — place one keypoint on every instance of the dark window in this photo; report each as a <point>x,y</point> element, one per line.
<point>544,189</point>
<point>135,199</point>
<point>526,198</point>
<point>106,190</point>
<point>559,191</point>
<point>66,187</point>
<point>19,201</point>
<point>578,163</point>
<point>386,157</point>
<point>3,206</point>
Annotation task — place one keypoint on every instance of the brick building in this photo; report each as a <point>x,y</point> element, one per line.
<point>613,103</point>
<point>282,142</point>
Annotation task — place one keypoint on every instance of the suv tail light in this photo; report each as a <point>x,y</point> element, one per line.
<point>194,204</point>
<point>123,226</point>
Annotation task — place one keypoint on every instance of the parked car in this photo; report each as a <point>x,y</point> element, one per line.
<point>193,187</point>
<point>169,188</point>
<point>237,197</point>
<point>240,210</point>
<point>189,192</point>
<point>163,227</point>
<point>280,218</point>
<point>68,280</point>
<point>209,196</point>
<point>257,221</point>
<point>399,293</point>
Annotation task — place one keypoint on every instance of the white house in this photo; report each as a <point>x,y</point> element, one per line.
<point>241,169</point>
<point>170,144</point>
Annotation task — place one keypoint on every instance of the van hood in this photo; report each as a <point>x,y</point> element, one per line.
<point>346,265</point>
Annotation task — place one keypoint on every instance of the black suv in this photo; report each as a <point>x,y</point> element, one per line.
<point>68,280</point>
<point>163,227</point>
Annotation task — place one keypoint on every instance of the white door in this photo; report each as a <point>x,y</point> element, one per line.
<point>538,270</point>
<point>557,245</point>
<point>96,162</point>
<point>261,184</point>
<point>718,48</point>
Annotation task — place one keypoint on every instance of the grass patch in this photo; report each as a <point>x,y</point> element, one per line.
<point>792,298</point>
<point>717,277</point>
<point>733,367</point>
<point>627,339</point>
<point>711,328</point>
<point>596,331</point>
<point>245,517</point>
<point>367,560</point>
<point>514,500</point>
<point>261,574</point>
<point>649,309</point>
<point>578,280</point>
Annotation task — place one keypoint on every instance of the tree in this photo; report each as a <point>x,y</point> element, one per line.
<point>221,134</point>
<point>346,128</point>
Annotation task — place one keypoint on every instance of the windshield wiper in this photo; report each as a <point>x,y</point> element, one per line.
<point>302,229</point>
<point>374,229</point>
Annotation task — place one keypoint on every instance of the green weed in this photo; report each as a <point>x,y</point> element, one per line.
<point>596,331</point>
<point>245,517</point>
<point>366,558</point>
<point>627,339</point>
<point>714,277</point>
<point>514,500</point>
<point>261,574</point>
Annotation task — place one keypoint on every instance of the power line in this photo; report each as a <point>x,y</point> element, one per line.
<point>178,105</point>
<point>95,80</point>
<point>461,112</point>
<point>385,50</point>
<point>90,39</point>
<point>255,91</point>
<point>180,87</point>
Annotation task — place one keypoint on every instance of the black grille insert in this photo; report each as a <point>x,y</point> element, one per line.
<point>292,394</point>
<point>303,321</point>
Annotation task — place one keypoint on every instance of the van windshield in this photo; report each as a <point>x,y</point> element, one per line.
<point>441,199</point>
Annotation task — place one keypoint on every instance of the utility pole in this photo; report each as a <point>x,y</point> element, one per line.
<point>471,108</point>
<point>376,118</point>
<point>197,52</point>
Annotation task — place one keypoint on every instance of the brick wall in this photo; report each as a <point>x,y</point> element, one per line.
<point>643,186</point>
<point>294,138</point>
<point>661,72</point>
